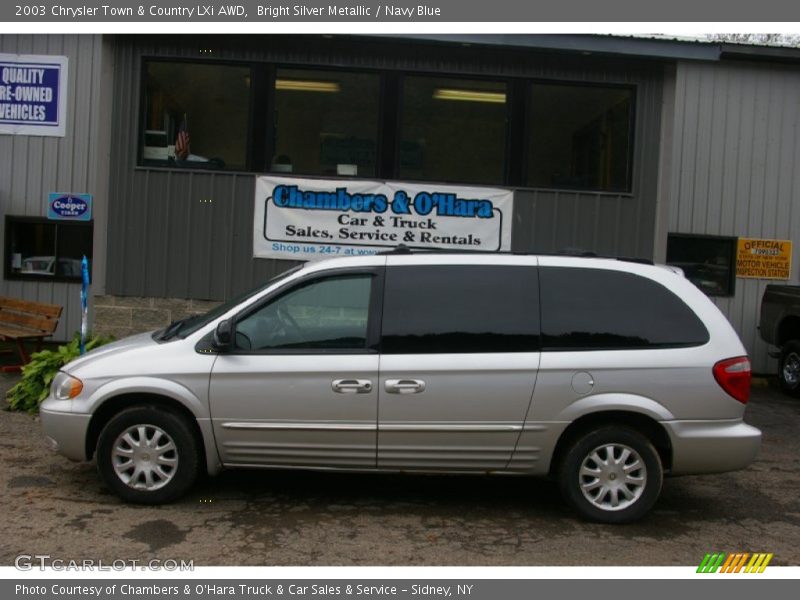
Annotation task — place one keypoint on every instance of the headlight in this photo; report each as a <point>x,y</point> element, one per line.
<point>66,387</point>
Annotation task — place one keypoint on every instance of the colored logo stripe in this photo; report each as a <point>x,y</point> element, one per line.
<point>758,563</point>
<point>711,562</point>
<point>734,563</point>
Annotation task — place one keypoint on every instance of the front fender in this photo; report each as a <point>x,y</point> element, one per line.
<point>167,388</point>
<point>145,385</point>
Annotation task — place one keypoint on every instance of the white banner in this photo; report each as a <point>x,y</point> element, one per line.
<point>314,219</point>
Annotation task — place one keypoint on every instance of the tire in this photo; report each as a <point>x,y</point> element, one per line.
<point>158,471</point>
<point>789,368</point>
<point>596,503</point>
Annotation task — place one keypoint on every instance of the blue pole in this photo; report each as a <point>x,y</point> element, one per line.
<point>84,303</point>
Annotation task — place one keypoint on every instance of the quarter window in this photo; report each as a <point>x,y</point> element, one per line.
<point>331,314</point>
<point>594,309</point>
<point>460,309</point>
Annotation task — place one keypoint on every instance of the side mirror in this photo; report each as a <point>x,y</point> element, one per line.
<point>222,335</point>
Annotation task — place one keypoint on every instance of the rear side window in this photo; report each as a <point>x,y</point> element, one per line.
<point>460,309</point>
<point>595,309</point>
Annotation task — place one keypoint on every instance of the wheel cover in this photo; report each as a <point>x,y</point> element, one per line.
<point>791,369</point>
<point>144,457</point>
<point>612,477</point>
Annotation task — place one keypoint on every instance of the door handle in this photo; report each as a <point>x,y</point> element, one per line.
<point>351,386</point>
<point>404,386</point>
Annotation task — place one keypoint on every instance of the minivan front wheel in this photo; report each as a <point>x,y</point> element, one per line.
<point>611,475</point>
<point>148,455</point>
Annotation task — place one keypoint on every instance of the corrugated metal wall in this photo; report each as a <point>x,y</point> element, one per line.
<point>165,241</point>
<point>32,166</point>
<point>735,168</point>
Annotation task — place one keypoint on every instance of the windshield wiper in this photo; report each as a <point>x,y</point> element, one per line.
<point>171,330</point>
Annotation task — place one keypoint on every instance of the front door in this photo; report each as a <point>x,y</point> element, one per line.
<point>300,387</point>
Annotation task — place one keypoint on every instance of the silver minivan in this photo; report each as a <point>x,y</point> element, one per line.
<point>605,374</point>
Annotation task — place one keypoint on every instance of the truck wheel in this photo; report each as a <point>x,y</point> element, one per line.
<point>148,455</point>
<point>612,474</point>
<point>789,368</point>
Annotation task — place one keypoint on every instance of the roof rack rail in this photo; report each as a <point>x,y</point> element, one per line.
<point>403,249</point>
<point>581,253</point>
<point>576,252</point>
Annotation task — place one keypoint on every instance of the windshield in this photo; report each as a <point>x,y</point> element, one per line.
<point>189,325</point>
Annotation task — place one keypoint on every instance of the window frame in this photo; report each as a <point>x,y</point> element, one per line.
<point>509,132</point>
<point>733,240</point>
<point>632,88</point>
<point>379,117</point>
<point>251,142</point>
<point>375,309</point>
<point>260,139</point>
<point>9,275</point>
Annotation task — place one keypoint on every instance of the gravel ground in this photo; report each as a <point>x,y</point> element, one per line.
<point>56,507</point>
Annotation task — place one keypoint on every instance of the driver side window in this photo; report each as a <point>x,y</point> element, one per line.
<point>327,314</point>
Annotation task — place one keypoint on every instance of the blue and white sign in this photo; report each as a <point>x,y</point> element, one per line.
<point>313,219</point>
<point>33,94</point>
<point>69,207</point>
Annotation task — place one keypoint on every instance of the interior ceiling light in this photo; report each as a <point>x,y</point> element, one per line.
<point>469,96</point>
<point>299,85</point>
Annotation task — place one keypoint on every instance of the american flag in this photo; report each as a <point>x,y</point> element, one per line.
<point>182,144</point>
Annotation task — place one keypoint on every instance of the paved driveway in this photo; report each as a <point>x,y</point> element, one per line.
<point>52,506</point>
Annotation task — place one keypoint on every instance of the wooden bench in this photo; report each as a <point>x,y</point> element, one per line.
<point>24,321</point>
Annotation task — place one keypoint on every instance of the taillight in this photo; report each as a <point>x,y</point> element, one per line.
<point>733,376</point>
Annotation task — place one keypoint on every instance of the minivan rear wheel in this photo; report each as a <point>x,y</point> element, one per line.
<point>148,455</point>
<point>612,474</point>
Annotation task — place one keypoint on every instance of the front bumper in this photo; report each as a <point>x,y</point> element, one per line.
<point>711,446</point>
<point>65,431</point>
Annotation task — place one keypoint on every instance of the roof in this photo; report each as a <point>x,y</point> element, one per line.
<point>652,46</point>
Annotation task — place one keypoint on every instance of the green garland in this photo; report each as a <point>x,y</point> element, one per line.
<point>37,375</point>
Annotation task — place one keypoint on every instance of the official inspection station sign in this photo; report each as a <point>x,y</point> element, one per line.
<point>764,259</point>
<point>33,94</point>
<point>314,219</point>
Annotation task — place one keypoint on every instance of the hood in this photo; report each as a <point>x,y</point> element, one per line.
<point>127,344</point>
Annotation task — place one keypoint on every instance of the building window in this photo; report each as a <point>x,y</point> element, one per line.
<point>196,115</point>
<point>579,137</point>
<point>452,130</point>
<point>41,249</point>
<point>708,261</point>
<point>334,122</point>
<point>326,123</point>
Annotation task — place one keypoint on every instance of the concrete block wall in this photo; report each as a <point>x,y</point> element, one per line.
<point>121,316</point>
